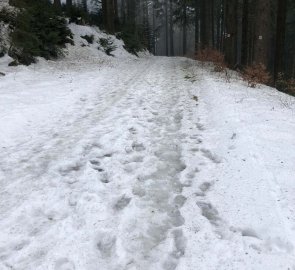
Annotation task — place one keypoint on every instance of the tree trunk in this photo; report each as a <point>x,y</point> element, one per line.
<point>230,42</point>
<point>123,11</point>
<point>110,16</point>
<point>131,9</point>
<point>57,3</point>
<point>184,28</point>
<point>146,26</point>
<point>262,32</point>
<point>104,13</point>
<point>154,31</point>
<point>166,28</point>
<point>171,28</point>
<point>245,33</point>
<point>69,4</point>
<point>212,23</point>
<point>197,25</point>
<point>205,23</point>
<point>222,26</point>
<point>280,37</point>
<point>209,16</point>
<point>218,25</point>
<point>117,20</point>
<point>84,5</point>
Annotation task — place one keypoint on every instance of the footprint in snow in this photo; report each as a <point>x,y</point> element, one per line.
<point>138,147</point>
<point>132,130</point>
<point>21,245</point>
<point>261,244</point>
<point>204,187</point>
<point>64,264</point>
<point>209,212</point>
<point>179,201</point>
<point>200,127</point>
<point>170,264</point>
<point>179,244</point>
<point>179,240</point>
<point>208,154</point>
<point>121,203</point>
<point>94,162</point>
<point>104,178</point>
<point>106,244</point>
<point>95,165</point>
<point>176,218</point>
<point>134,159</point>
<point>71,167</point>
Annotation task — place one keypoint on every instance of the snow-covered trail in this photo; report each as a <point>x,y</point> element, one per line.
<point>137,167</point>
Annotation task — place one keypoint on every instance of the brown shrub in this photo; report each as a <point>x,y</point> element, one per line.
<point>214,56</point>
<point>256,74</point>
<point>291,87</point>
<point>286,85</point>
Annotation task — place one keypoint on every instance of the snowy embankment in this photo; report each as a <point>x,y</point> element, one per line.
<point>143,163</point>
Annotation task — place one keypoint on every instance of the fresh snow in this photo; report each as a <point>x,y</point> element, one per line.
<point>142,163</point>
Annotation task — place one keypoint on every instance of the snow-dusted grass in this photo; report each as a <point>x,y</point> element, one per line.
<point>142,163</point>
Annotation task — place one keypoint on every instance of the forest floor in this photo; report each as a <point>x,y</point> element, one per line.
<point>149,163</point>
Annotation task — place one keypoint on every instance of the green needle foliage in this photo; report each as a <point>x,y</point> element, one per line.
<point>133,38</point>
<point>39,30</point>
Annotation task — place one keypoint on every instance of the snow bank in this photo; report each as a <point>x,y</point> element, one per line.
<point>81,53</point>
<point>84,51</point>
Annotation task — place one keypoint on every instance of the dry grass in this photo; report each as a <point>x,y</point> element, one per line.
<point>214,56</point>
<point>286,85</point>
<point>256,74</point>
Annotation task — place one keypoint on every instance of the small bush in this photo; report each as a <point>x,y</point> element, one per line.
<point>256,74</point>
<point>108,45</point>
<point>88,38</point>
<point>286,85</point>
<point>14,63</point>
<point>214,56</point>
<point>7,16</point>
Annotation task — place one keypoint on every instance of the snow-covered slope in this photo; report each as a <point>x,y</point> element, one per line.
<point>84,51</point>
<point>143,163</point>
<point>79,53</point>
<point>81,60</point>
<point>246,187</point>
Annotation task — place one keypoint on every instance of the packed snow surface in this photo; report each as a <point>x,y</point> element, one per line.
<point>155,163</point>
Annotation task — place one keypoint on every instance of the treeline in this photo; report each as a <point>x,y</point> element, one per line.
<point>247,32</point>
